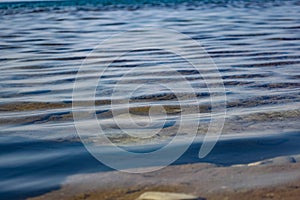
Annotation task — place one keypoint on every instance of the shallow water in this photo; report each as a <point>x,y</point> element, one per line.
<point>255,45</point>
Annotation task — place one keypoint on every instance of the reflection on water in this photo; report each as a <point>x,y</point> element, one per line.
<point>254,44</point>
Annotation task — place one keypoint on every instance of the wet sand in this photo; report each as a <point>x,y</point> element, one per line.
<point>273,179</point>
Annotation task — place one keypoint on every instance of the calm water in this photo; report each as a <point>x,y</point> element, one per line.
<point>255,44</point>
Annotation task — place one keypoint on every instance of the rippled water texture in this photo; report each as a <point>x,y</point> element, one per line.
<point>255,45</point>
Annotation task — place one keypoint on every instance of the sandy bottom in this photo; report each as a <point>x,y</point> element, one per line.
<point>277,178</point>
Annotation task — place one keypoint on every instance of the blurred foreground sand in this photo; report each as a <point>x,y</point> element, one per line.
<point>277,178</point>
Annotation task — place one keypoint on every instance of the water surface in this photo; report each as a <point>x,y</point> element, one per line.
<point>255,45</point>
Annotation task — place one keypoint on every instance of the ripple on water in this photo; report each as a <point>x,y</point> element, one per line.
<point>255,45</point>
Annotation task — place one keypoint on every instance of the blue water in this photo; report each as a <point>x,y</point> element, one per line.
<point>138,4</point>
<point>255,45</point>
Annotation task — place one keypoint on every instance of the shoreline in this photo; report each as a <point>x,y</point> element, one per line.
<point>277,178</point>
<point>72,163</point>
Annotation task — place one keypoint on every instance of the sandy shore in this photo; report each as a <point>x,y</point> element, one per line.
<point>277,178</point>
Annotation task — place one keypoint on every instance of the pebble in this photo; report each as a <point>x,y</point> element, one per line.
<point>167,196</point>
<point>279,160</point>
